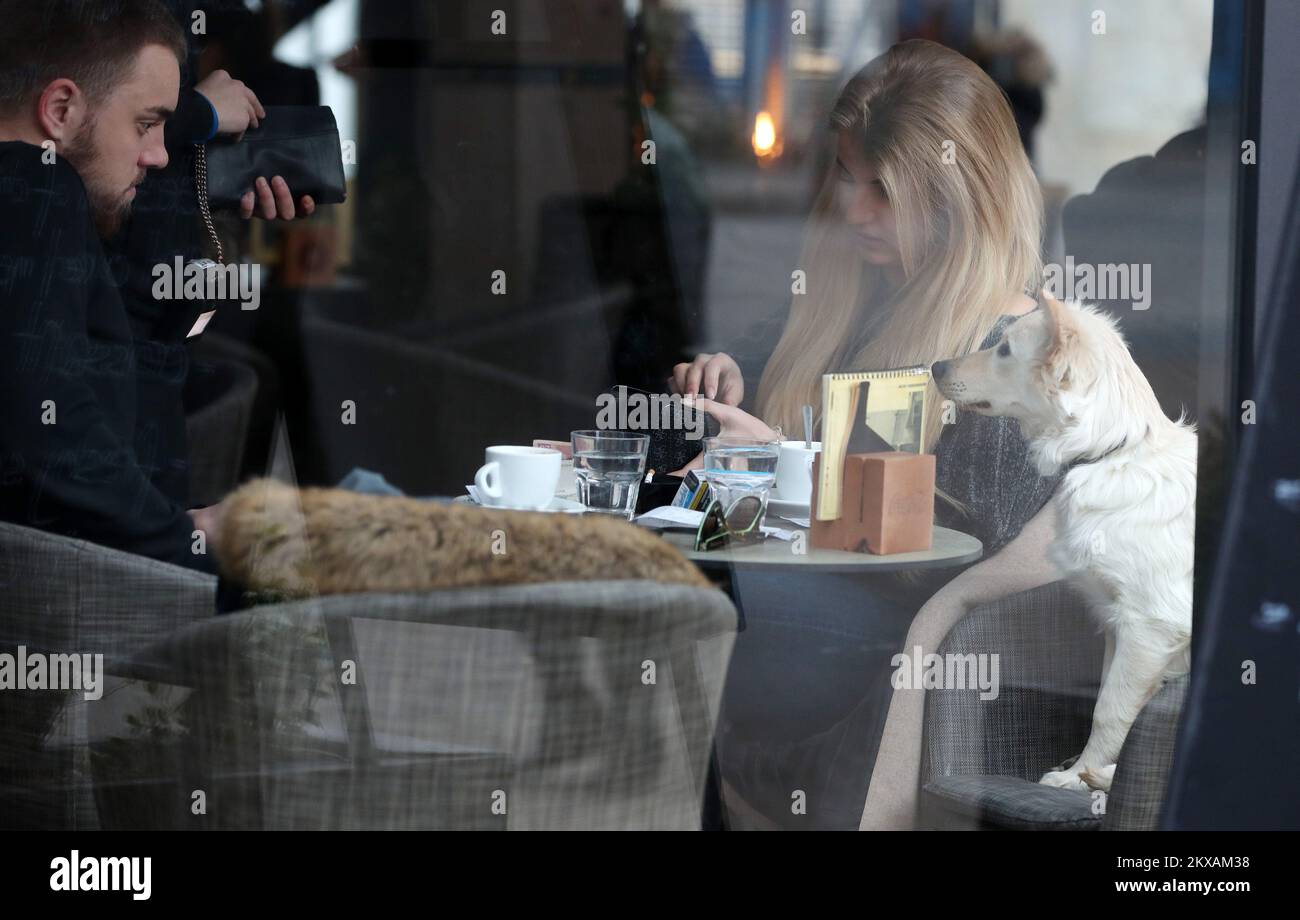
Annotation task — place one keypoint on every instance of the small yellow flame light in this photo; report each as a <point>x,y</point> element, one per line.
<point>766,145</point>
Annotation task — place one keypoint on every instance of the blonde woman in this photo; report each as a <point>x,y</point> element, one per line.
<point>922,243</point>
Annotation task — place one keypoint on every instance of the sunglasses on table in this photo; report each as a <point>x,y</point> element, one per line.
<point>738,525</point>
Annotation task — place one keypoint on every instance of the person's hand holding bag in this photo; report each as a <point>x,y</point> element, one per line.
<point>237,106</point>
<point>273,199</point>
<point>239,109</point>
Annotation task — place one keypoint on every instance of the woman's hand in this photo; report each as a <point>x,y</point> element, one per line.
<point>696,462</point>
<point>712,376</point>
<point>734,423</point>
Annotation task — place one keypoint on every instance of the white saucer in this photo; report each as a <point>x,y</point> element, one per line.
<point>557,506</point>
<point>786,509</point>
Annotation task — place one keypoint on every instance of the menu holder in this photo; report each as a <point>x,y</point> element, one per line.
<point>887,505</point>
<point>867,412</point>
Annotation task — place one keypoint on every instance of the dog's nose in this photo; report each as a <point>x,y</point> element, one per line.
<point>938,369</point>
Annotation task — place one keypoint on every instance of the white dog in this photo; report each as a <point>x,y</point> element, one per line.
<point>1126,504</point>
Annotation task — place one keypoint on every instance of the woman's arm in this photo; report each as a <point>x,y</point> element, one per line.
<point>985,464</point>
<point>1020,565</point>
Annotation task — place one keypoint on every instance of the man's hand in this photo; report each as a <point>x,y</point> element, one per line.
<point>209,520</point>
<point>238,109</point>
<point>237,106</point>
<point>273,199</point>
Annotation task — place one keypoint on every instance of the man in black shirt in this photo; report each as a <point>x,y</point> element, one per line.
<point>84,95</point>
<point>165,224</point>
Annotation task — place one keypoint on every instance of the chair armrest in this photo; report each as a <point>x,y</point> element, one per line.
<point>1137,792</point>
<point>66,595</point>
<point>1048,659</point>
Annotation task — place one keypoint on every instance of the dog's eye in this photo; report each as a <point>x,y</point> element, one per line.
<point>1004,350</point>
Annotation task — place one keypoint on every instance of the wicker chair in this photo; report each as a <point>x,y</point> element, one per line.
<point>983,758</point>
<point>64,596</point>
<point>560,705</point>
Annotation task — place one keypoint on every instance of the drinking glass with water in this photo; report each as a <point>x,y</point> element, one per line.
<point>609,467</point>
<point>737,467</point>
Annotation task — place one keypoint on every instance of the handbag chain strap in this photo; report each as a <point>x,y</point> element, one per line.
<point>201,184</point>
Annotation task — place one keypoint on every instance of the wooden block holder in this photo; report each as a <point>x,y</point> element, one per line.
<point>887,505</point>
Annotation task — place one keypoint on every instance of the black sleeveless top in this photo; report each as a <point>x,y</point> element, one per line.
<point>984,463</point>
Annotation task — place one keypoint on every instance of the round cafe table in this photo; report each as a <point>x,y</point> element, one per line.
<point>949,548</point>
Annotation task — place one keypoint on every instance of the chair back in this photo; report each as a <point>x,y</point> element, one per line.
<point>61,596</point>
<point>559,705</point>
<point>1049,657</point>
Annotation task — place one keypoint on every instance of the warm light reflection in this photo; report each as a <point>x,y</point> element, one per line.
<point>764,138</point>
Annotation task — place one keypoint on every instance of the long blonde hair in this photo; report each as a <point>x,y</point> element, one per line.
<point>969,222</point>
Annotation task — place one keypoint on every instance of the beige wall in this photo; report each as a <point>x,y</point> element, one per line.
<point>1119,95</point>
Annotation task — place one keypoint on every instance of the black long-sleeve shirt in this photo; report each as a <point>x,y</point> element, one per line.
<point>72,459</point>
<point>164,223</point>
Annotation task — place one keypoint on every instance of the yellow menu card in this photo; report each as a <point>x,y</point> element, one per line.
<point>865,412</point>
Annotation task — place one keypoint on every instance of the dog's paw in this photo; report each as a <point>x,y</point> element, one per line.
<point>1098,777</point>
<point>1064,779</point>
<point>1065,764</point>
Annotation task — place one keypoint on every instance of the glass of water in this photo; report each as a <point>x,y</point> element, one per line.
<point>609,467</point>
<point>737,467</point>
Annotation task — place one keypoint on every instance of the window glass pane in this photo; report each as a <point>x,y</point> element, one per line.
<point>896,316</point>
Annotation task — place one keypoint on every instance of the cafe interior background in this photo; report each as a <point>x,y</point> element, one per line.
<point>505,255</point>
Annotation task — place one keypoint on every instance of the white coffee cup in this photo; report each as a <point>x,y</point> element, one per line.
<point>518,477</point>
<point>794,463</point>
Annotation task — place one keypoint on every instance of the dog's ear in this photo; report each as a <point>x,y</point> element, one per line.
<point>1062,353</point>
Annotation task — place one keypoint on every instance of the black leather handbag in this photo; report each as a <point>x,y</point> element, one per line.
<point>300,143</point>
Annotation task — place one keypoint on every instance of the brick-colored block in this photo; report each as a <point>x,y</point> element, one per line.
<point>888,505</point>
<point>896,501</point>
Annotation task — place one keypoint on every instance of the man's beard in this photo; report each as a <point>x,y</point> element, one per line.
<point>107,207</point>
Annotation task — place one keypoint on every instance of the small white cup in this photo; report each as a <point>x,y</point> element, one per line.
<point>518,477</point>
<point>794,463</point>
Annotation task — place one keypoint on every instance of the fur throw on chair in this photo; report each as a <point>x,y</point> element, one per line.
<point>294,542</point>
